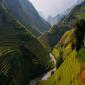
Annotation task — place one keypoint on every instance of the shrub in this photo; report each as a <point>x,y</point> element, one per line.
<point>82,54</point>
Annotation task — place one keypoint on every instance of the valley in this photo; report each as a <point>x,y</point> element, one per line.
<point>33,52</point>
<point>47,74</point>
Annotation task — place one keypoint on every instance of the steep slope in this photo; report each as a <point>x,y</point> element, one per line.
<point>67,74</point>
<point>77,13</point>
<point>24,11</point>
<point>50,38</point>
<point>72,50</point>
<point>19,60</point>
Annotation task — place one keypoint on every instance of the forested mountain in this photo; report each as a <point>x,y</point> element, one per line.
<point>70,58</point>
<point>19,60</point>
<point>57,57</point>
<point>25,12</point>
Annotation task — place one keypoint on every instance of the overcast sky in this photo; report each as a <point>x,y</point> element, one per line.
<point>52,7</point>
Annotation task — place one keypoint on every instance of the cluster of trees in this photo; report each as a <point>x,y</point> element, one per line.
<point>59,60</point>
<point>78,41</point>
<point>79,35</point>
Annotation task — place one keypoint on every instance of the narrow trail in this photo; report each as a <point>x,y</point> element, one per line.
<point>46,75</point>
<point>82,74</point>
<point>82,77</point>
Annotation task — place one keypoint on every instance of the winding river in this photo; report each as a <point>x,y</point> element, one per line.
<point>46,75</point>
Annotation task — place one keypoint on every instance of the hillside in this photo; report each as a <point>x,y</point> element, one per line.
<point>71,50</point>
<point>69,76</point>
<point>77,13</point>
<point>19,60</point>
<point>25,12</point>
<point>50,38</point>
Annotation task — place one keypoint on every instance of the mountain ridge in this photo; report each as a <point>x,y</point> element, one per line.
<point>25,12</point>
<point>19,60</point>
<point>55,33</point>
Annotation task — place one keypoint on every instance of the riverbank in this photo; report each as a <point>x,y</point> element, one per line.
<point>46,75</point>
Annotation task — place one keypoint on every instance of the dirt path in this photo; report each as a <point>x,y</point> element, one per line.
<point>46,75</point>
<point>82,77</point>
<point>82,74</point>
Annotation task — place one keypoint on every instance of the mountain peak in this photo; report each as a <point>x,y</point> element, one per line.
<point>80,1</point>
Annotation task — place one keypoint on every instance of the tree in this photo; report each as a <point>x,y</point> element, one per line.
<point>79,34</point>
<point>59,60</point>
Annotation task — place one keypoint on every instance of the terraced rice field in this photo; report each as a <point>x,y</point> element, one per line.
<point>67,74</point>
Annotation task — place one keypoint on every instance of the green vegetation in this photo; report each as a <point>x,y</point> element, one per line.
<point>22,57</point>
<point>79,34</point>
<point>82,54</point>
<point>26,13</point>
<point>79,40</point>
<point>67,74</point>
<point>52,37</point>
<point>64,44</point>
<point>70,56</point>
<point>56,51</point>
<point>59,60</point>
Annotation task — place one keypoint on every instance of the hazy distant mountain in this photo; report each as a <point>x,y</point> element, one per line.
<point>26,13</point>
<point>54,20</point>
<point>79,1</point>
<point>59,17</point>
<point>41,14</point>
<point>52,37</point>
